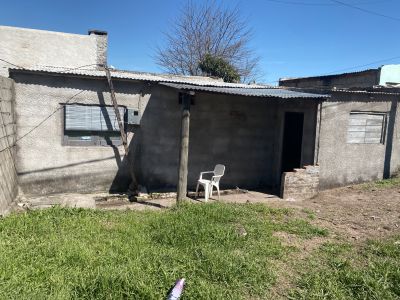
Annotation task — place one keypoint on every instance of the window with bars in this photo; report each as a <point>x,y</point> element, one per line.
<point>366,128</point>
<point>95,125</point>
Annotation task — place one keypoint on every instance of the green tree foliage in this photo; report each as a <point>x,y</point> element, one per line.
<point>219,67</point>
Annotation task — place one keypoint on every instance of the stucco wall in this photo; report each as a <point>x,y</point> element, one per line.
<point>8,177</point>
<point>44,164</point>
<point>242,133</point>
<point>30,47</point>
<point>342,163</point>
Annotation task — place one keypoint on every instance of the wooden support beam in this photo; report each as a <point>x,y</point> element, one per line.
<point>117,114</point>
<point>184,149</point>
<point>134,185</point>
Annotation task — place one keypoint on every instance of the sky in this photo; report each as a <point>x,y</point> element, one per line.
<point>292,37</point>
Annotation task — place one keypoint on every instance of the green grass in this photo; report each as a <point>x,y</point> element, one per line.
<point>343,271</point>
<point>86,254</point>
<point>382,184</point>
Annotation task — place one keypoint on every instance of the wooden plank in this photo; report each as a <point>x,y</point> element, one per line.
<point>134,185</point>
<point>117,114</point>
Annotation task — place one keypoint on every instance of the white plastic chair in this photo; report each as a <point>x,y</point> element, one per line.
<point>208,185</point>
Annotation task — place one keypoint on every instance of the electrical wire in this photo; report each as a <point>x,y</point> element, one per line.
<point>324,3</point>
<point>350,68</point>
<point>365,10</point>
<point>40,123</point>
<point>65,69</point>
<point>70,69</point>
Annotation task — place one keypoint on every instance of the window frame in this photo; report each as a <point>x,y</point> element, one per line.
<point>383,125</point>
<point>97,138</point>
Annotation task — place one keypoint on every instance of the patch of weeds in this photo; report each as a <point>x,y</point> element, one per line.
<point>310,214</point>
<point>382,184</point>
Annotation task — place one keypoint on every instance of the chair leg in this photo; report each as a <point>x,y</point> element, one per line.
<point>211,190</point>
<point>218,190</point>
<point>206,192</point>
<point>197,190</point>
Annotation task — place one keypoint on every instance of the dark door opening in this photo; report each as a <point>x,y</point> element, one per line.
<point>292,141</point>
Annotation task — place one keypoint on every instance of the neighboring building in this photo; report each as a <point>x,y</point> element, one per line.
<point>27,48</point>
<point>359,137</point>
<point>387,74</point>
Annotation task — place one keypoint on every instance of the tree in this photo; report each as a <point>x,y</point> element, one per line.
<point>212,29</point>
<point>217,66</point>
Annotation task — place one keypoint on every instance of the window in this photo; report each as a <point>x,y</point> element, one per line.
<point>86,125</point>
<point>366,128</point>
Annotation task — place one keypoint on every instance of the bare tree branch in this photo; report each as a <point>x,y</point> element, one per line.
<point>203,29</point>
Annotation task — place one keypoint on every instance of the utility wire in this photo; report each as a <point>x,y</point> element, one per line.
<point>44,120</point>
<point>365,65</point>
<point>365,10</point>
<point>324,3</point>
<point>64,69</point>
<point>350,68</point>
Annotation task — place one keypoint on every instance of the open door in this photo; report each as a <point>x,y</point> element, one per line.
<point>292,141</point>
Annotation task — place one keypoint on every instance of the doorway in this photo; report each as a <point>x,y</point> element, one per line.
<point>292,141</point>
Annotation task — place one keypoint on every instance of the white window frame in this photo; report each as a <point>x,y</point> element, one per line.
<point>364,126</point>
<point>95,132</point>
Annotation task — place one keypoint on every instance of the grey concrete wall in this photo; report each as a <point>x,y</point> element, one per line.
<point>367,78</point>
<point>31,48</point>
<point>242,133</point>
<point>44,164</point>
<point>342,163</point>
<point>8,177</point>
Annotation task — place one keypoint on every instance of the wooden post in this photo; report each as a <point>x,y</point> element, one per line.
<point>117,114</point>
<point>133,186</point>
<point>184,149</point>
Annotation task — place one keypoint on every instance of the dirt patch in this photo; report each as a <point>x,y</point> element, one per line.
<point>354,212</point>
<point>305,246</point>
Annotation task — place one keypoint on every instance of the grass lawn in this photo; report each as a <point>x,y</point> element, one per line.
<point>225,251</point>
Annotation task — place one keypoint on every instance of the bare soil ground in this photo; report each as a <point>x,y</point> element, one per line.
<point>354,212</point>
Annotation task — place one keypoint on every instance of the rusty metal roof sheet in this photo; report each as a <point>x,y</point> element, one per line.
<point>253,92</point>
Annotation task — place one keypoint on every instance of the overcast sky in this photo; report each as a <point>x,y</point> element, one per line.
<point>292,37</point>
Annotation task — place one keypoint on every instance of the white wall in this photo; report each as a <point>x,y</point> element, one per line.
<point>31,48</point>
<point>390,73</point>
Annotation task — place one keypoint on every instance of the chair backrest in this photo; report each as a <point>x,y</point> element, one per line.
<point>219,170</point>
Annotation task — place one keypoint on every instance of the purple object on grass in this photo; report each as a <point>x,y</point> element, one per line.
<point>177,290</point>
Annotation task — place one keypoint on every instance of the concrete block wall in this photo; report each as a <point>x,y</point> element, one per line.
<point>45,165</point>
<point>342,163</point>
<point>8,175</point>
<point>242,133</point>
<point>301,184</point>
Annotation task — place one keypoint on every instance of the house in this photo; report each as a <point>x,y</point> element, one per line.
<point>359,124</point>
<point>65,138</point>
<point>78,148</point>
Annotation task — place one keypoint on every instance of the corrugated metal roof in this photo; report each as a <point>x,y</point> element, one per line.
<point>254,92</point>
<point>128,75</point>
